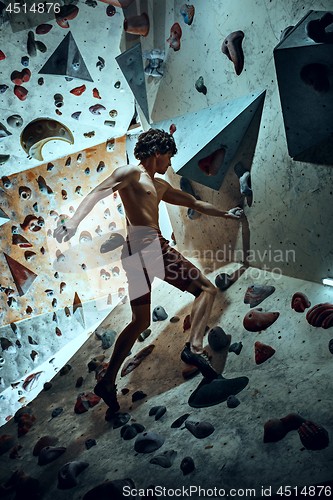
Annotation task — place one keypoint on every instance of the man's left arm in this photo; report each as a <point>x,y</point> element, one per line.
<point>180,198</point>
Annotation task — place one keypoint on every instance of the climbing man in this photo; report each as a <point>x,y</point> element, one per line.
<point>147,254</point>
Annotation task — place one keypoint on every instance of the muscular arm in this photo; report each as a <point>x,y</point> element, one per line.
<point>178,197</point>
<point>119,179</point>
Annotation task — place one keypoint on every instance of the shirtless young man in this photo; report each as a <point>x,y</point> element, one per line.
<point>141,193</point>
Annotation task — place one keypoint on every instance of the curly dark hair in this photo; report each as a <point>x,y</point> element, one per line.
<point>154,141</point>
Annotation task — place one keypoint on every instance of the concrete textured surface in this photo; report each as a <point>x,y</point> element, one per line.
<point>295,379</point>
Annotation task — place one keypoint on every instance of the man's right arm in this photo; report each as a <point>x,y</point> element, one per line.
<point>120,178</point>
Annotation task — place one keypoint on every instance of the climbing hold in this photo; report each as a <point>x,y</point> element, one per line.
<point>232,48</point>
<point>224,280</point>
<point>187,11</point>
<point>3,88</point>
<point>154,66</point>
<point>25,61</point>
<point>22,276</point>
<point>148,442</point>
<point>96,93</point>
<point>96,109</point>
<point>159,314</point>
<point>179,421</point>
<point>49,454</point>
<point>300,302</point>
<point>2,55</point>
<point>236,347</point>
<point>100,63</point>
<point>58,100</point>
<point>100,166</point>
<point>187,465</point>
<point>211,164</point>
<point>76,115</point>
<point>42,443</point>
<point>132,363</point>
<point>128,432</point>
<point>217,338</point>
<point>68,473</point>
<point>175,36</point>
<point>78,90</point>
<point>232,401</point>
<point>138,395</point>
<point>110,10</point>
<point>42,29</point>
<point>40,81</point>
<point>321,315</point>
<point>164,460</point>
<point>40,131</point>
<point>41,46</point>
<point>20,92</point>
<point>15,121</point>
<point>257,320</point>
<point>158,411</point>
<point>244,177</point>
<point>316,29</point>
<point>200,85</point>
<point>255,294</point>
<point>66,12</point>
<point>262,352</point>
<point>216,391</point>
<point>25,192</point>
<point>31,44</point>
<point>199,429</point>
<point>172,128</point>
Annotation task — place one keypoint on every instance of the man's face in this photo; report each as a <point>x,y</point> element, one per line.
<point>163,161</point>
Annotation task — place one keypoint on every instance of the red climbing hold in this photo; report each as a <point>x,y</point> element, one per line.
<point>19,77</point>
<point>262,352</point>
<point>2,56</point>
<point>20,92</point>
<point>78,90</point>
<point>96,93</point>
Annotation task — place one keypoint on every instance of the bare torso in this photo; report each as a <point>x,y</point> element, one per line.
<point>141,199</point>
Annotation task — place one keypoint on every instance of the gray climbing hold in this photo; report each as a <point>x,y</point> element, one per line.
<point>128,432</point>
<point>232,401</point>
<point>159,314</point>
<point>158,411</point>
<point>68,473</point>
<point>164,460</point>
<point>137,395</point>
<point>108,338</point>
<point>148,442</point>
<point>120,419</point>
<point>199,429</point>
<point>236,347</point>
<point>144,335</point>
<point>187,465</point>
<point>216,391</point>
<point>180,420</point>
<point>217,338</point>
<point>15,121</point>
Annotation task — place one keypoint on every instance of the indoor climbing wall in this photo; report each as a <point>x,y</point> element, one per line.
<point>217,56</point>
<point>57,66</point>
<point>39,274</point>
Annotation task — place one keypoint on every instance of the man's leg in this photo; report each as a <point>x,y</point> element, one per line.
<point>193,352</point>
<point>201,310</point>
<point>106,387</point>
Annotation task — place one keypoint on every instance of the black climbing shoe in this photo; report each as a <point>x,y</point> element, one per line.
<point>201,361</point>
<point>110,398</point>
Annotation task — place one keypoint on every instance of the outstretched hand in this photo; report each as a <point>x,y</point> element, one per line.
<point>65,230</point>
<point>235,213</point>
